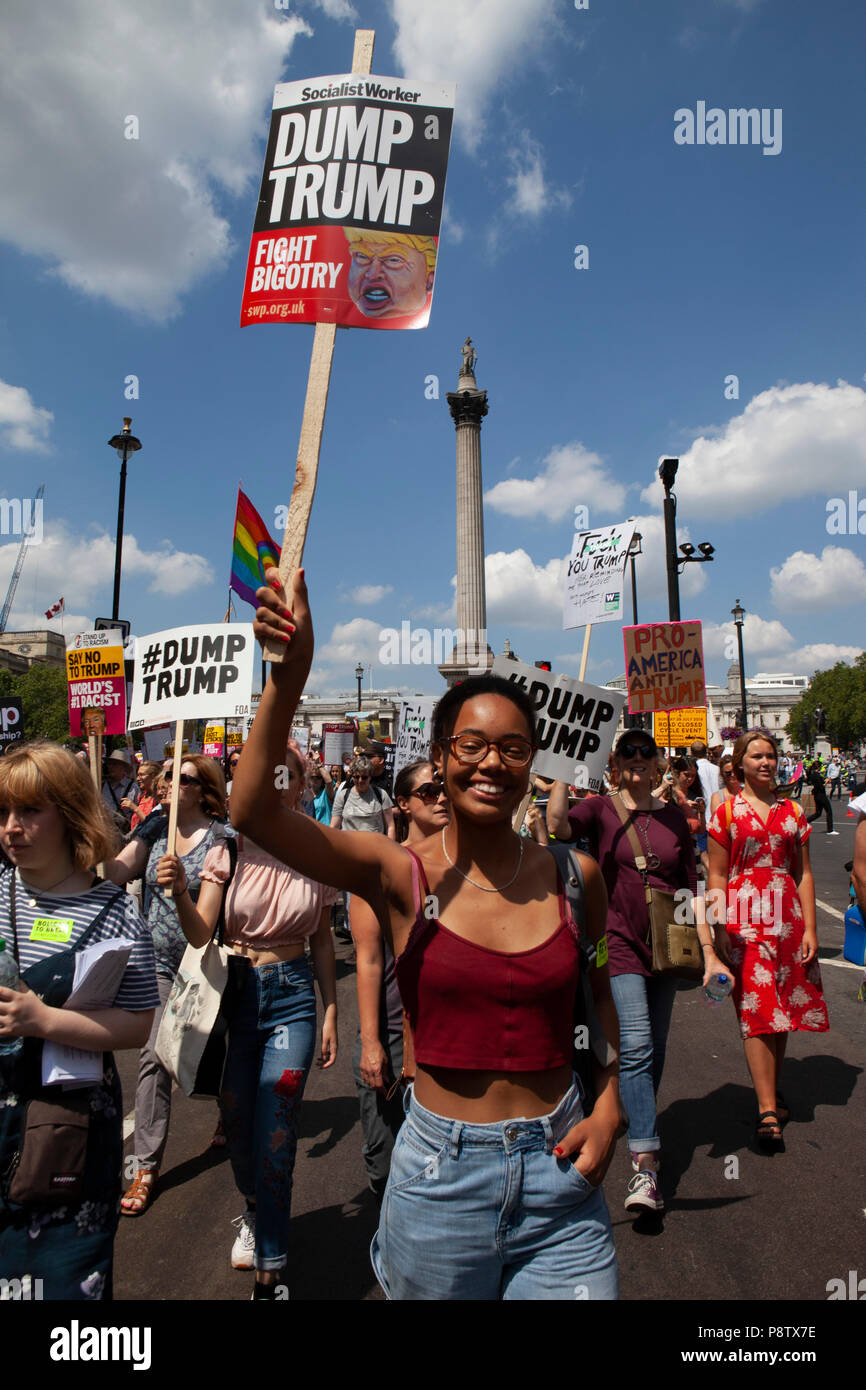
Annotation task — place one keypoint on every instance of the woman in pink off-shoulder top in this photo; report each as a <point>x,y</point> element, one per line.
<point>271,911</point>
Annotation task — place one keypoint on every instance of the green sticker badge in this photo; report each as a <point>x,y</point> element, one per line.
<point>52,929</point>
<point>601,951</point>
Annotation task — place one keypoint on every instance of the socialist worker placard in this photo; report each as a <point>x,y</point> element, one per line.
<point>347,223</point>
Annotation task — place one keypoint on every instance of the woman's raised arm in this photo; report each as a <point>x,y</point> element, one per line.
<point>371,865</point>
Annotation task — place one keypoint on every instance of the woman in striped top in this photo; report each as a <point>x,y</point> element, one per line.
<point>54,828</point>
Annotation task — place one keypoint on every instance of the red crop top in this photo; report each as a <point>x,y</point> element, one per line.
<point>477,1009</point>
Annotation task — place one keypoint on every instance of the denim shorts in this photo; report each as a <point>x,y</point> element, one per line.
<point>488,1212</point>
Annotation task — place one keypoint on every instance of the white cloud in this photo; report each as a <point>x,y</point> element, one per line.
<point>140,224</point>
<point>521,593</point>
<point>761,637</point>
<point>370,593</point>
<point>349,643</point>
<point>533,196</point>
<point>819,656</point>
<point>337,9</point>
<point>82,571</point>
<point>802,440</point>
<point>571,474</point>
<point>477,45</point>
<point>831,580</point>
<point>23,425</point>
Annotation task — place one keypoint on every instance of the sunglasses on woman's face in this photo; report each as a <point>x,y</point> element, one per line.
<point>184,779</point>
<point>637,750</point>
<point>429,792</point>
<point>728,772</point>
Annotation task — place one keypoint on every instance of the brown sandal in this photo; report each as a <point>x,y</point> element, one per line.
<point>142,1191</point>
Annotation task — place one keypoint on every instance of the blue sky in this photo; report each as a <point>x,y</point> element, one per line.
<point>126,257</point>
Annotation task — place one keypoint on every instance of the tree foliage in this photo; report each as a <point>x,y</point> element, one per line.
<point>842,692</point>
<point>42,690</point>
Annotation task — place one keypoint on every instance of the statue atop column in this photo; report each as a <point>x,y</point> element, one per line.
<point>469,359</point>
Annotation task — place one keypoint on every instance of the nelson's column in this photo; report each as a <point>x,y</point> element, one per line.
<point>468,407</point>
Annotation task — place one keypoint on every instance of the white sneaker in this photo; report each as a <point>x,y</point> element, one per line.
<point>643,1192</point>
<point>244,1248</point>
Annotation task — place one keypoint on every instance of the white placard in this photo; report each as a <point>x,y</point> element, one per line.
<point>576,723</point>
<point>185,672</point>
<point>413,731</point>
<point>595,576</point>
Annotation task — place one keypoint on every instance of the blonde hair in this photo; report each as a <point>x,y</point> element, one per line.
<point>44,774</point>
<point>362,239</point>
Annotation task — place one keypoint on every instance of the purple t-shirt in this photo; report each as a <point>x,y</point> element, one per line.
<point>669,837</point>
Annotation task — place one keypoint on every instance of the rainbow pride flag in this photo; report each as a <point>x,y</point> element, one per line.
<point>253,551</point>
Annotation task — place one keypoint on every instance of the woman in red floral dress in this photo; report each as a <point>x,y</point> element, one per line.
<point>759,860</point>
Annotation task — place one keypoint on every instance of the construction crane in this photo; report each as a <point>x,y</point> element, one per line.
<point>19,563</point>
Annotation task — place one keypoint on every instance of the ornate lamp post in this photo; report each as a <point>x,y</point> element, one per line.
<point>739,616</point>
<point>125,443</point>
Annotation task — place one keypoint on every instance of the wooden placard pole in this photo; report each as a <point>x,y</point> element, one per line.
<point>585,655</point>
<point>520,813</point>
<point>175,792</point>
<point>93,744</point>
<point>313,422</point>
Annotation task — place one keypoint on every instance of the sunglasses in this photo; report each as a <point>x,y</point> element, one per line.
<point>429,792</point>
<point>637,750</point>
<point>361,777</point>
<point>184,779</point>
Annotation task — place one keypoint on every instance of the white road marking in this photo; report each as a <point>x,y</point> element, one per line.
<point>833,911</point>
<point>845,964</point>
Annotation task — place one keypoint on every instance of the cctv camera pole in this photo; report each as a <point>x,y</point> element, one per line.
<point>668,473</point>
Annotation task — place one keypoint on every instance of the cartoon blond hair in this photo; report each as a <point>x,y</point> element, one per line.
<point>371,240</point>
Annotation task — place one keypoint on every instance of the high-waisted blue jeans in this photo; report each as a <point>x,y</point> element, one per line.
<point>644,1004</point>
<point>271,1043</point>
<point>488,1212</point>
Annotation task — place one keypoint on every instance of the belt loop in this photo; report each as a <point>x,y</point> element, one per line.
<point>548,1133</point>
<point>455,1139</point>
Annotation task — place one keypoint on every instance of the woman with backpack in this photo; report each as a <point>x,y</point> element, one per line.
<point>483,1199</point>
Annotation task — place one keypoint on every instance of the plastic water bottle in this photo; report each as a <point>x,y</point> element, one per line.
<point>718,987</point>
<point>9,979</point>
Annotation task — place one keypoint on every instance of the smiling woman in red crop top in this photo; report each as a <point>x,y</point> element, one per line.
<point>494,1184</point>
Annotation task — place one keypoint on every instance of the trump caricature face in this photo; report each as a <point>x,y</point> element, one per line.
<point>388,279</point>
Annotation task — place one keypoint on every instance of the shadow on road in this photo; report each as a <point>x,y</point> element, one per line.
<point>336,1114</point>
<point>191,1167</point>
<point>724,1120</point>
<point>329,1254</point>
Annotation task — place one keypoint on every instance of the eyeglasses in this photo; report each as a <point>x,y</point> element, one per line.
<point>472,748</point>
<point>184,779</point>
<point>361,777</point>
<point>637,750</point>
<point>233,762</point>
<point>728,772</point>
<point>429,792</point>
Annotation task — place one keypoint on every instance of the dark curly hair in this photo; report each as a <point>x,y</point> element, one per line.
<point>446,711</point>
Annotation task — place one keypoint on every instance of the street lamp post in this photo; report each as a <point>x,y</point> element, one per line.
<point>359,676</point>
<point>676,563</point>
<point>739,615</point>
<point>633,551</point>
<point>125,443</point>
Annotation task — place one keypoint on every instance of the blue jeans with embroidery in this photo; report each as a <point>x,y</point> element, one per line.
<point>271,1043</point>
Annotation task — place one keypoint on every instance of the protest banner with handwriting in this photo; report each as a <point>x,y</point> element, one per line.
<point>595,575</point>
<point>664,666</point>
<point>413,731</point>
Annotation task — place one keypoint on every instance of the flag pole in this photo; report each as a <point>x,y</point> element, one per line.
<point>313,421</point>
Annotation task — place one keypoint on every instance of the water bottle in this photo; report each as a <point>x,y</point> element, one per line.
<point>9,979</point>
<point>718,987</point>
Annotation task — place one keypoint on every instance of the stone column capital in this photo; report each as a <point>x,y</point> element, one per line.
<point>467,407</point>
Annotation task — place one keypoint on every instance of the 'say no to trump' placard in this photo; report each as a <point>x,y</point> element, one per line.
<point>184,672</point>
<point>347,224</point>
<point>96,684</point>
